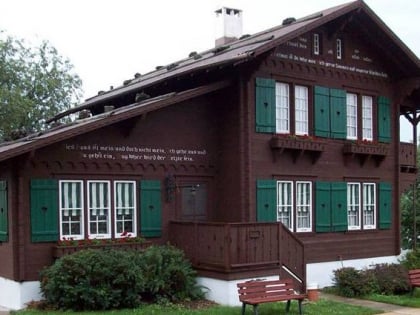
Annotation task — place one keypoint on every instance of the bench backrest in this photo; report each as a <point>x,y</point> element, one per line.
<point>265,288</point>
<point>414,275</point>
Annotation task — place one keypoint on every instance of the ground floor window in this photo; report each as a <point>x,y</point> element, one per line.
<point>294,205</point>
<point>99,214</point>
<point>361,205</point>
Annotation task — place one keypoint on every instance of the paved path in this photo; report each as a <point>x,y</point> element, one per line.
<point>389,309</point>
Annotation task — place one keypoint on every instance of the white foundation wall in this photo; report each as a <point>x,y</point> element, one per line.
<point>14,295</point>
<point>323,273</point>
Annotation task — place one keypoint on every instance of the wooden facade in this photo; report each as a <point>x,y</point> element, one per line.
<point>228,159</point>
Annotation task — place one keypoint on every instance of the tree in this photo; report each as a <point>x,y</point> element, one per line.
<point>36,83</point>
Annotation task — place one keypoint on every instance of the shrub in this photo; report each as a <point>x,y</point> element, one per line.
<point>411,260</point>
<point>351,282</point>
<point>168,275</point>
<point>93,280</point>
<point>391,279</point>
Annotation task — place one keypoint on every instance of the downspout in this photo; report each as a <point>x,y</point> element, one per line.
<point>415,122</point>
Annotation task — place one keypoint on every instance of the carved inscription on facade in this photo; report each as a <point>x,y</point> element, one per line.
<point>136,153</point>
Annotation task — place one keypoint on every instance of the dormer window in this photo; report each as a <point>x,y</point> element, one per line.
<point>316,44</point>
<point>339,48</point>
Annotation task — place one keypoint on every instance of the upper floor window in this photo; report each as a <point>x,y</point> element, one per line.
<point>339,48</point>
<point>99,209</point>
<point>284,108</point>
<point>125,207</point>
<point>316,44</point>
<point>367,117</point>
<point>71,209</point>
<point>353,114</point>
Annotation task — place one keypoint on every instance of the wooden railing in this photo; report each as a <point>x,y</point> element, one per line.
<point>233,247</point>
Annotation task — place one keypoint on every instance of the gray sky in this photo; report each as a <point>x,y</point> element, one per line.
<point>108,41</point>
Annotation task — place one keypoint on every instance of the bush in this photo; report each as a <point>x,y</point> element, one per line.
<point>411,260</point>
<point>351,282</point>
<point>391,279</point>
<point>108,279</point>
<point>168,275</point>
<point>93,280</point>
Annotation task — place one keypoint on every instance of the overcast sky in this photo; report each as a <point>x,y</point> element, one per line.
<point>108,41</point>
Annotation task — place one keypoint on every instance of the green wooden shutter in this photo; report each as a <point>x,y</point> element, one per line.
<point>385,205</point>
<point>339,206</point>
<point>322,111</point>
<point>3,212</point>
<point>265,105</point>
<point>384,119</point>
<point>266,200</point>
<point>322,207</point>
<point>338,114</point>
<point>151,208</point>
<point>44,210</point>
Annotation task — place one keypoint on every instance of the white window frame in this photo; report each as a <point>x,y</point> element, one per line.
<point>316,44</point>
<point>304,205</point>
<point>117,208</point>
<point>353,205</point>
<point>282,107</point>
<point>301,110</point>
<point>339,48</point>
<point>285,204</point>
<point>108,208</point>
<point>63,209</point>
<point>367,117</point>
<point>371,202</point>
<point>351,101</point>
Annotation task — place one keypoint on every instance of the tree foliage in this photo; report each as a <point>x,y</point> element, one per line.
<point>36,83</point>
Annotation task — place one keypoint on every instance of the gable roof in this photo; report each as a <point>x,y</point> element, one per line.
<point>250,47</point>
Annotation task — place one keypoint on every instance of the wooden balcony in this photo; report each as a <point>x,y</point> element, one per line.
<point>408,158</point>
<point>236,249</point>
<point>365,151</point>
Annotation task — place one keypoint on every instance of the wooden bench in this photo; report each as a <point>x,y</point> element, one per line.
<point>255,292</point>
<point>414,278</point>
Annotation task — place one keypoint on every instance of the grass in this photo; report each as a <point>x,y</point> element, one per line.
<point>403,300</point>
<point>321,307</point>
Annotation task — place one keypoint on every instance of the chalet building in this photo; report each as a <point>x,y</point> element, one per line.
<point>275,154</point>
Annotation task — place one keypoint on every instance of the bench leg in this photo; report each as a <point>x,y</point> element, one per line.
<point>243,308</point>
<point>300,307</point>
<point>255,309</point>
<point>287,307</point>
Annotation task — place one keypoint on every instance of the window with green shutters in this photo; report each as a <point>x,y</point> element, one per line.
<point>330,112</point>
<point>4,227</point>
<point>385,205</point>
<point>151,208</point>
<point>44,210</point>
<point>384,119</point>
<point>265,105</point>
<point>330,207</point>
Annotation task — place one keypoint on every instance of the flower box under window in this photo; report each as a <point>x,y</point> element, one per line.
<point>365,150</point>
<point>66,249</point>
<point>297,146</point>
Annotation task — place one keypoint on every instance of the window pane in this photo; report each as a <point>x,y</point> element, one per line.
<point>369,206</point>
<point>353,205</point>
<point>351,116</point>
<point>71,209</point>
<point>125,210</point>
<point>303,206</point>
<point>301,109</point>
<point>99,209</point>
<point>282,108</point>
<point>285,203</point>
<point>367,117</point>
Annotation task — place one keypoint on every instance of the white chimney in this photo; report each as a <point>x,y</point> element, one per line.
<point>228,25</point>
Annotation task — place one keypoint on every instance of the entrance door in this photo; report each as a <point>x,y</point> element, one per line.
<point>194,202</point>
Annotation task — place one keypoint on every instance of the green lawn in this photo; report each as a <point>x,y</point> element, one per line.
<point>320,307</point>
<point>403,300</point>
